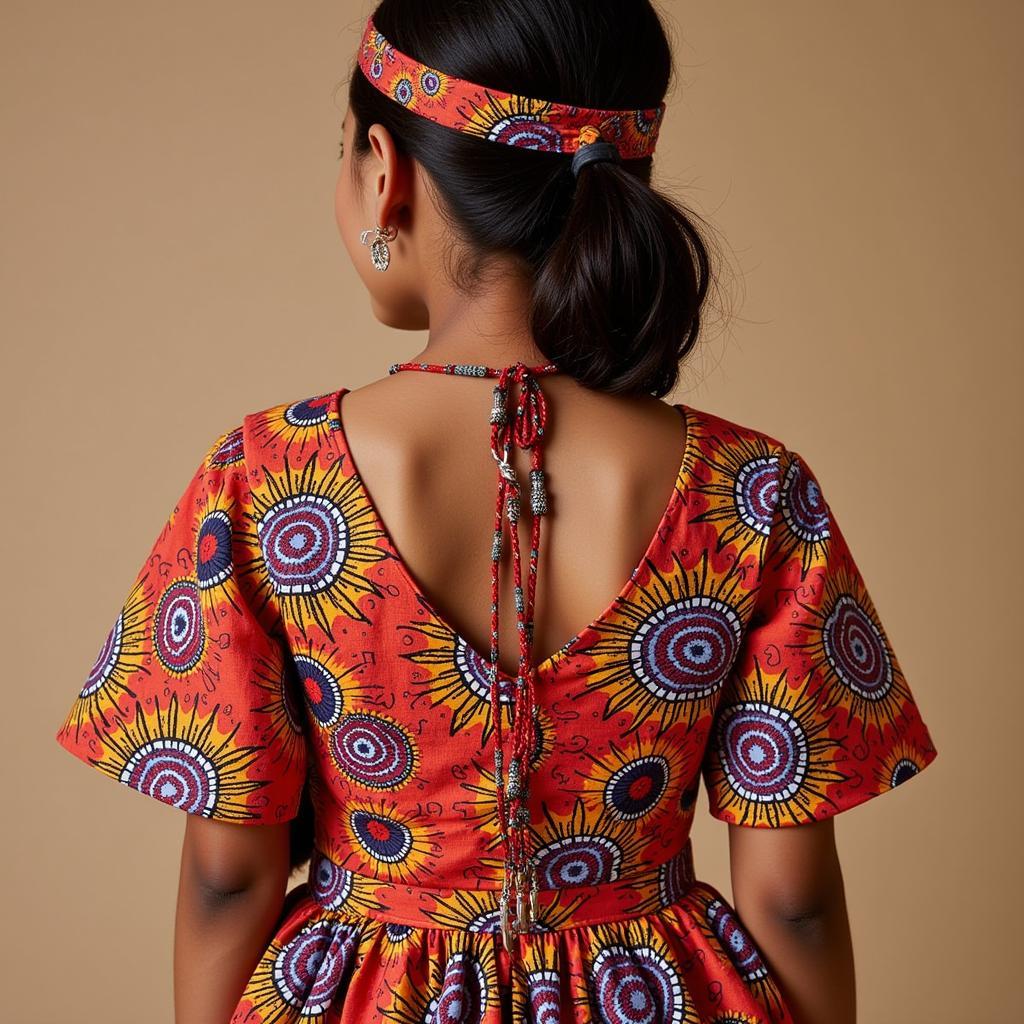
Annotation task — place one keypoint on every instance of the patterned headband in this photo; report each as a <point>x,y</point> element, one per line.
<point>498,116</point>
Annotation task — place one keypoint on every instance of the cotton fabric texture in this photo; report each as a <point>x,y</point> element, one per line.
<point>273,639</point>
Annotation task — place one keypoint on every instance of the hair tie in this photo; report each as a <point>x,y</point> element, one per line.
<point>591,147</point>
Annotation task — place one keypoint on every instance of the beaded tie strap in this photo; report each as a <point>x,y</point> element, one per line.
<point>525,428</point>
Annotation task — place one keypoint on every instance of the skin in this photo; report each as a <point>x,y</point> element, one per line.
<point>407,434</point>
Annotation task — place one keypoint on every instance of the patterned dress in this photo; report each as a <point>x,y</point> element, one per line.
<point>273,639</point>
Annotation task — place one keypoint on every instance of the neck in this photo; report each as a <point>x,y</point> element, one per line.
<point>489,326</point>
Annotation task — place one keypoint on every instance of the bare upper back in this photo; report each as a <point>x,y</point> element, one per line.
<point>421,445</point>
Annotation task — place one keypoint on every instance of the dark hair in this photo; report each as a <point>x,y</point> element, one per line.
<point>620,272</point>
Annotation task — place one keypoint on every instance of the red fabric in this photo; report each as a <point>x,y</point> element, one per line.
<point>274,639</point>
<point>499,116</point>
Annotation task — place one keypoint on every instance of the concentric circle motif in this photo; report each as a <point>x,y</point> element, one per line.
<point>179,635</point>
<point>304,539</point>
<point>213,549</point>
<point>310,968</point>
<point>856,650</point>
<point>430,83</point>
<point>635,789</point>
<point>684,650</point>
<point>578,860</point>
<point>106,660</point>
<point>383,838</point>
<point>174,772</point>
<point>403,91</point>
<point>803,504</point>
<point>903,770</point>
<point>310,412</point>
<point>475,672</point>
<point>742,951</point>
<point>373,751</point>
<point>542,989</point>
<point>763,751</point>
<point>636,986</point>
<point>230,450</point>
<point>757,492</point>
<point>463,995</point>
<point>323,694</point>
<point>675,878</point>
<point>488,923</point>
<point>330,883</point>
<point>396,933</point>
<point>527,131</point>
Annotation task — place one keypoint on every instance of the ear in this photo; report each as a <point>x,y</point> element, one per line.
<point>391,176</point>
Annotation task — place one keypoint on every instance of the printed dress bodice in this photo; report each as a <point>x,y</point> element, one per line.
<point>274,640</point>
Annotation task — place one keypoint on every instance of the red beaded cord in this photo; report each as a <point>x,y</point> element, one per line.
<point>526,429</point>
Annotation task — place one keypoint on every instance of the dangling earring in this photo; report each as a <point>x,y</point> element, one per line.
<point>380,254</point>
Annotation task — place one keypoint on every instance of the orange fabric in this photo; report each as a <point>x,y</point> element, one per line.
<point>274,639</point>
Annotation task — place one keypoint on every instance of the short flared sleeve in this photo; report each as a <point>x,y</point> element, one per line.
<point>192,696</point>
<point>816,716</point>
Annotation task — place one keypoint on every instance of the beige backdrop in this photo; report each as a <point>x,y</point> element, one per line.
<point>170,261</point>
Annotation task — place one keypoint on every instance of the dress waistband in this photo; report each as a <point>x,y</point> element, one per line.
<point>336,888</point>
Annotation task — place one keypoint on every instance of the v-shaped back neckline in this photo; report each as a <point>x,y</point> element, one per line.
<point>677,501</point>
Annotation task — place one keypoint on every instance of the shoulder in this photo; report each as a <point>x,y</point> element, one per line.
<point>716,433</point>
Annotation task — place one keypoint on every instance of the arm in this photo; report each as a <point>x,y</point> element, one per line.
<point>231,891</point>
<point>787,888</point>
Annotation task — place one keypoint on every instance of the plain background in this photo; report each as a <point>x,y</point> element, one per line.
<point>170,262</point>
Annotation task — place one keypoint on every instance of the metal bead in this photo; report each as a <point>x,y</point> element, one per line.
<point>521,818</point>
<point>496,546</point>
<point>520,601</point>
<point>514,778</point>
<point>512,508</point>
<point>499,414</point>
<point>538,493</point>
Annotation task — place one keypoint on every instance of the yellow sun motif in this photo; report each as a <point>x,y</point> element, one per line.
<point>770,760</point>
<point>317,534</point>
<point>666,651</point>
<point>390,842</point>
<point>182,758</point>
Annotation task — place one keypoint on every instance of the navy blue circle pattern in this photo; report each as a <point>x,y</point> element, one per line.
<point>373,751</point>
<point>475,673</point>
<point>323,694</point>
<point>738,944</point>
<point>904,769</point>
<point>310,969</point>
<point>230,450</point>
<point>175,772</point>
<point>526,131</point>
<point>213,549</point>
<point>179,635</point>
<point>310,412</point>
<point>803,505</point>
<point>757,493</point>
<point>683,652</point>
<point>463,995</point>
<point>106,660</point>
<point>763,751</point>
<point>383,838</point>
<point>856,650</point>
<point>304,540</point>
<point>331,884</point>
<point>636,986</point>
<point>635,788</point>
<point>578,860</point>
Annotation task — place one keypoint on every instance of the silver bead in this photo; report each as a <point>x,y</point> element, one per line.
<point>520,602</point>
<point>496,546</point>
<point>538,493</point>
<point>499,414</point>
<point>514,779</point>
<point>512,508</point>
<point>521,818</point>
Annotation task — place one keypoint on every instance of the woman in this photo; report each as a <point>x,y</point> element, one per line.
<point>496,818</point>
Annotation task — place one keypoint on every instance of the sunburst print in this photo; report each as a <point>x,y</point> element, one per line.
<point>390,841</point>
<point>462,987</point>
<point>291,426</point>
<point>668,649</point>
<point>771,759</point>
<point>318,535</point>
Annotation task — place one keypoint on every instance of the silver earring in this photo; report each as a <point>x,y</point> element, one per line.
<point>380,254</point>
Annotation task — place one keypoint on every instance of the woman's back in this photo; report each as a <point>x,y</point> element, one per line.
<point>421,446</point>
